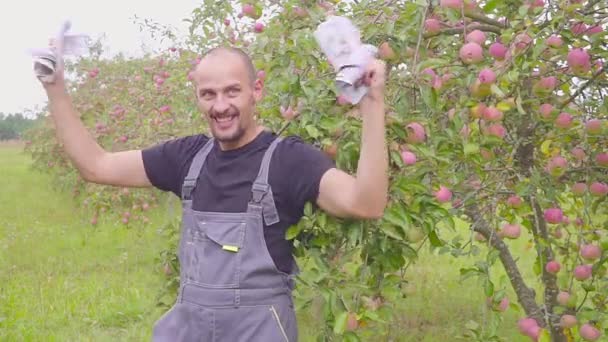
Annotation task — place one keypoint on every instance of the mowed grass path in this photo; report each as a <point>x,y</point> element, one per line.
<point>63,280</point>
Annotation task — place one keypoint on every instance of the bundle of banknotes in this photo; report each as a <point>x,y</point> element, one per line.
<point>340,41</point>
<point>46,59</point>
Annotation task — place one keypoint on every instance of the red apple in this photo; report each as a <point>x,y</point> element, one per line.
<point>552,267</point>
<point>476,36</point>
<point>590,252</point>
<point>598,189</point>
<point>471,53</point>
<point>554,41</point>
<point>416,133</point>
<point>589,332</point>
<point>582,272</point>
<point>487,75</point>
<point>432,25</point>
<point>567,321</point>
<point>258,27</point>
<point>443,194</point>
<point>579,60</point>
<point>553,215</point>
<point>498,51</point>
<point>408,157</point>
<point>602,159</point>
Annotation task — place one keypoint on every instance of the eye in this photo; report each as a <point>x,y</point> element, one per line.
<point>205,94</point>
<point>233,91</point>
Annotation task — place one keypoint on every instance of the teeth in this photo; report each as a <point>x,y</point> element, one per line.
<point>224,118</point>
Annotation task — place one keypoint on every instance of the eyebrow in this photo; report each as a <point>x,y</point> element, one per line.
<point>233,85</point>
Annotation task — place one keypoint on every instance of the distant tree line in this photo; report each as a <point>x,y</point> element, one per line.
<point>12,126</point>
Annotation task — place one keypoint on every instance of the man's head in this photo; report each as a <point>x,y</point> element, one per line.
<point>227,91</point>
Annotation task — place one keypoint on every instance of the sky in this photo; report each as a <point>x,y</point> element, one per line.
<point>30,23</point>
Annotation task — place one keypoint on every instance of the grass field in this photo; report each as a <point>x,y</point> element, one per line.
<point>62,280</point>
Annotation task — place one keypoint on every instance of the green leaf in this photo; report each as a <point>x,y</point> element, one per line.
<point>544,336</point>
<point>496,91</point>
<point>471,148</point>
<point>435,241</point>
<point>292,232</point>
<point>340,323</point>
<point>393,231</point>
<point>431,63</point>
<point>488,287</point>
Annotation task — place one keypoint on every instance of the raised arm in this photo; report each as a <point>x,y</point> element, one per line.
<point>125,168</point>
<point>92,161</point>
<point>365,194</point>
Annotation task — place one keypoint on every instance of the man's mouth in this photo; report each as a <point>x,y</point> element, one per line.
<point>224,118</point>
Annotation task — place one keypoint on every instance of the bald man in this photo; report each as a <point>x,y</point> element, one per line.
<point>241,187</point>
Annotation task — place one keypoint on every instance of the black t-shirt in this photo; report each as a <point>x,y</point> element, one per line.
<point>295,172</point>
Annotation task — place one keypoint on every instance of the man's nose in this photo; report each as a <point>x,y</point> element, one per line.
<point>221,104</point>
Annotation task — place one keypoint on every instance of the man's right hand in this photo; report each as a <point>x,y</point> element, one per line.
<point>124,168</point>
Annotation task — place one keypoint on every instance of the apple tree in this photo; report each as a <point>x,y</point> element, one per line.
<point>496,117</point>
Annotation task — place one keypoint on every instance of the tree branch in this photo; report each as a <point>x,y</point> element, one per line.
<point>549,279</point>
<point>583,87</point>
<point>483,19</point>
<point>486,28</point>
<point>525,295</point>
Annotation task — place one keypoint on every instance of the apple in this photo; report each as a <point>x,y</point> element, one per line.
<point>498,51</point>
<point>598,189</point>
<point>582,272</point>
<point>593,126</point>
<point>476,36</point>
<point>258,27</point>
<point>487,75</point>
<point>416,133</point>
<point>578,28</point>
<point>514,201</point>
<point>385,52</point>
<point>546,110</point>
<point>589,332</point>
<point>590,252</point>
<point>432,25</point>
<point>602,159</point>
<point>408,157</point>
<point>563,298</point>
<point>352,322</point>
<point>579,188</point>
<point>497,130</point>
<point>553,267</point>
<point>567,321</point>
<point>443,194</point>
<point>578,153</point>
<point>553,215</point>
<point>579,61</point>
<point>471,53</point>
<point>454,4</point>
<point>492,114</point>
<point>511,231</point>
<point>554,41</point>
<point>563,120</point>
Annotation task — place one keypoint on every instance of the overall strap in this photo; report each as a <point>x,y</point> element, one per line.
<point>195,170</point>
<point>261,191</point>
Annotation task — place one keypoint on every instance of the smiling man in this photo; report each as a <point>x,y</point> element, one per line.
<point>241,188</point>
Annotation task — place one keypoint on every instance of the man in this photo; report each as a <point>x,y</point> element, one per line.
<point>241,188</point>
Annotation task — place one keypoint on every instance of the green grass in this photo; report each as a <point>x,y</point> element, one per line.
<point>63,280</point>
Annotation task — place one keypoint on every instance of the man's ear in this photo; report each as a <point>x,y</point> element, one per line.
<point>258,89</point>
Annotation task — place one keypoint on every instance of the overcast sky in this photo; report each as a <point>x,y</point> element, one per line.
<point>29,23</point>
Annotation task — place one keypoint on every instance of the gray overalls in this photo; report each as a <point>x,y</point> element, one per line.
<point>230,288</point>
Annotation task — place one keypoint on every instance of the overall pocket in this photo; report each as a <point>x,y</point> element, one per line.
<point>212,253</point>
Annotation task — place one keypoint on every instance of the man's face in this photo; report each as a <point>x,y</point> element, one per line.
<point>227,96</point>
